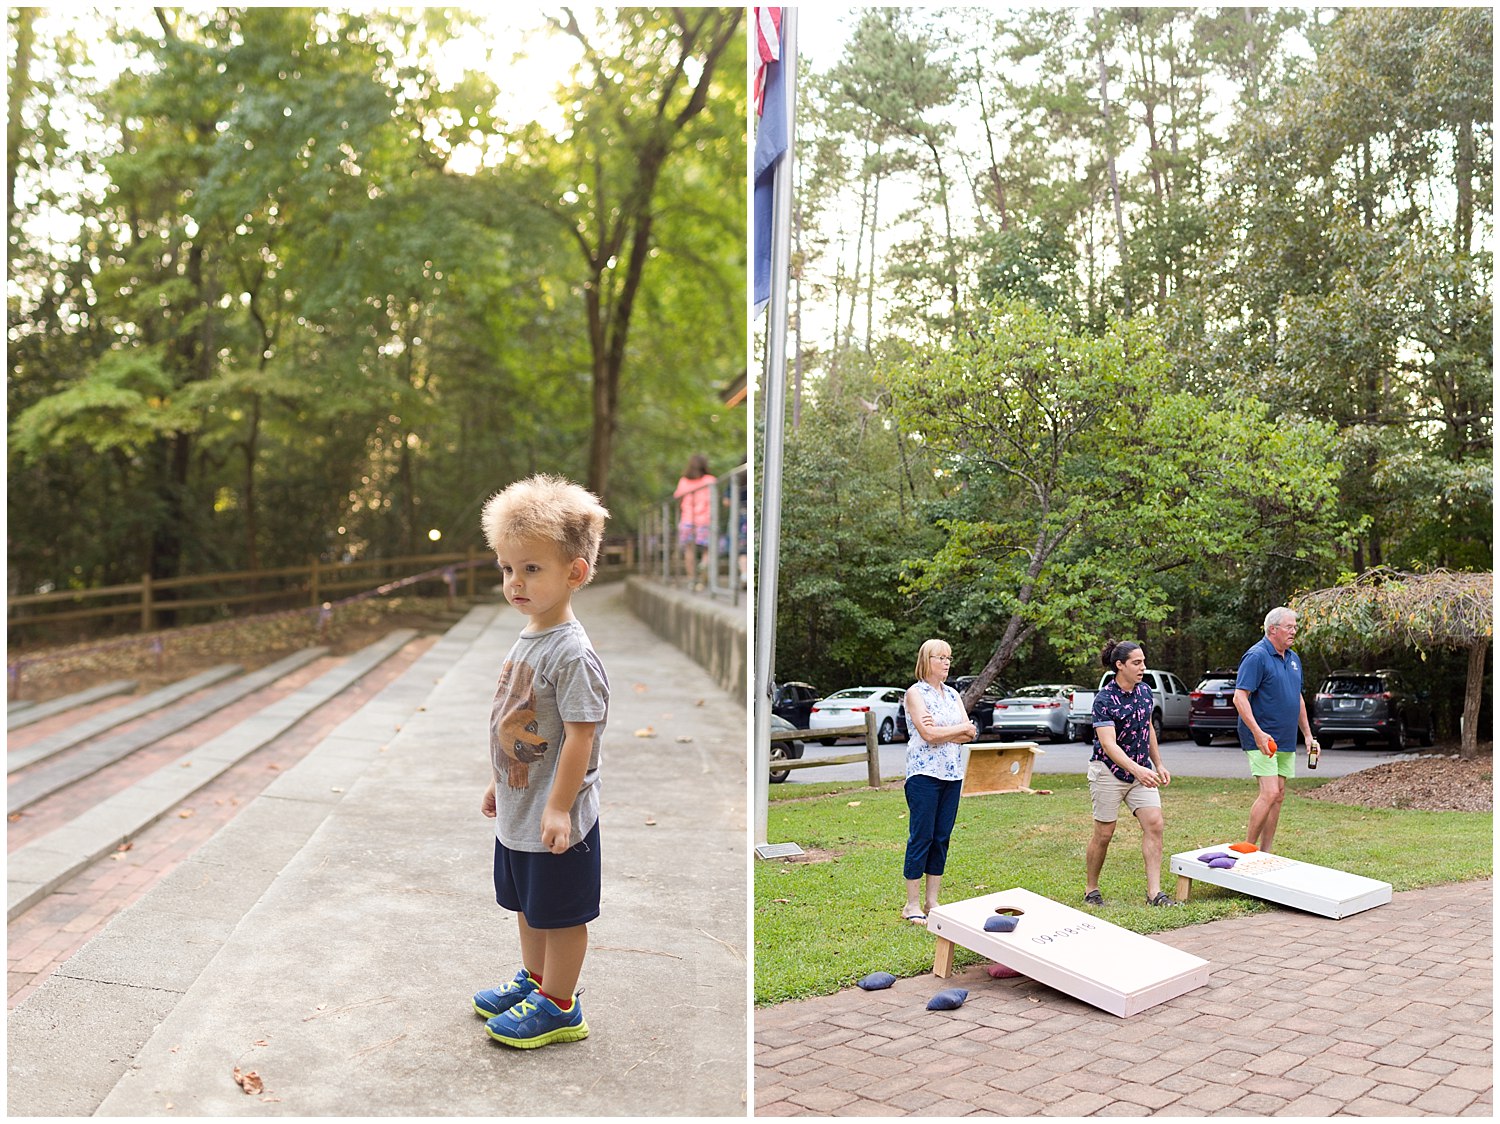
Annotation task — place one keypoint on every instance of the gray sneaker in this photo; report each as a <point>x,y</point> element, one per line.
<point>1093,897</point>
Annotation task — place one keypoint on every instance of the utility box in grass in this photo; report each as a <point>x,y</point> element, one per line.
<point>1005,767</point>
<point>1078,953</point>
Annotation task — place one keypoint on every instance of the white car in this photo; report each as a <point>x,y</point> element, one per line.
<point>849,707</point>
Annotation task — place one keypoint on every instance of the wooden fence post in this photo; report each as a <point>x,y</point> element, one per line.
<point>872,749</point>
<point>313,581</point>
<point>148,617</point>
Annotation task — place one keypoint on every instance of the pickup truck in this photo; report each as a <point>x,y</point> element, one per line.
<point>1168,693</point>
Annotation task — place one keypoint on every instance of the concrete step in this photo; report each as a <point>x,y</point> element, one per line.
<point>38,868</point>
<point>125,980</point>
<point>14,721</point>
<point>45,781</point>
<point>104,721</point>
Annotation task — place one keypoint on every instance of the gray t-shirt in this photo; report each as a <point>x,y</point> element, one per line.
<point>550,677</point>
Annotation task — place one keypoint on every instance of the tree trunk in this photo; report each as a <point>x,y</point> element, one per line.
<point>1469,745</point>
<point>1114,177</point>
<point>20,82</point>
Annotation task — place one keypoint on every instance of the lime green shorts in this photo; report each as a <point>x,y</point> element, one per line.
<point>1284,764</point>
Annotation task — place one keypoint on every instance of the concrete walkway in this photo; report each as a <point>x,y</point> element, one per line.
<point>1386,1013</point>
<point>345,983</point>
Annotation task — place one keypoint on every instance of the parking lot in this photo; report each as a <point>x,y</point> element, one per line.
<point>1179,753</point>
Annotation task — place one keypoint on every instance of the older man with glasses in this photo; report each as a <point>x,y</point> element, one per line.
<point>1268,696</point>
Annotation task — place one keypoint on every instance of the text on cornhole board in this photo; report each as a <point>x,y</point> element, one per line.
<point>1276,878</point>
<point>1077,953</point>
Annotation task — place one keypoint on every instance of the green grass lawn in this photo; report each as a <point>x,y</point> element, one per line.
<point>821,925</point>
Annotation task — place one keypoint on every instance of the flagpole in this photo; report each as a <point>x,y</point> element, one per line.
<point>773,384</point>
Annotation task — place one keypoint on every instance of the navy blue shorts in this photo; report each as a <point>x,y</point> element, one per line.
<point>550,891</point>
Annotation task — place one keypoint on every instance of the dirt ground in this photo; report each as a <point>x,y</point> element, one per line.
<point>156,659</point>
<point>1437,781</point>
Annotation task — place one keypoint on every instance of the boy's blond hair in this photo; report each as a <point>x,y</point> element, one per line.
<point>550,509</point>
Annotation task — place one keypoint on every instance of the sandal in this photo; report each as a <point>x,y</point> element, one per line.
<point>915,918</point>
<point>1161,899</point>
<point>1093,897</point>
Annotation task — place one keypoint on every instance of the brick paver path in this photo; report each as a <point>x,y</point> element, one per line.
<point>1386,1013</point>
<point>50,932</point>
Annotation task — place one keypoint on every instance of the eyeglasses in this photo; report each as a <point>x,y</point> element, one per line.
<point>949,659</point>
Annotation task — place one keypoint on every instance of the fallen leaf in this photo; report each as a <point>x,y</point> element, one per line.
<point>261,1042</point>
<point>15,817</point>
<point>273,767</point>
<point>639,688</point>
<point>186,814</point>
<point>855,803</point>
<point>782,901</point>
<point>684,738</point>
<point>125,846</point>
<point>650,822</point>
<point>700,702</point>
<point>250,1082</point>
<point>645,732</point>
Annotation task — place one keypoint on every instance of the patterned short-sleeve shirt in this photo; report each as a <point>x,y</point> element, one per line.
<point>1130,715</point>
<point>945,762</point>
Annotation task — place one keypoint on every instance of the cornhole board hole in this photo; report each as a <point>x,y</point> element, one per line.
<point>989,768</point>
<point>1301,885</point>
<point>1077,953</point>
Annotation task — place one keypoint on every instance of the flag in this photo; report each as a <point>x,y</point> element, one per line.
<point>770,140</point>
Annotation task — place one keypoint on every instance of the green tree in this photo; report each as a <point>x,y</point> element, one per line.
<point>1084,479</point>
<point>654,85</point>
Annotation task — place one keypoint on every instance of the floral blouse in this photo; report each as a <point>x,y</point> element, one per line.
<point>945,762</point>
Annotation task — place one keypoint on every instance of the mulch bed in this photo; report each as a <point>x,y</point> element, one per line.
<point>1438,781</point>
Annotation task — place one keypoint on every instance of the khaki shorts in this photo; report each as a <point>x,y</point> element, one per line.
<point>1108,791</point>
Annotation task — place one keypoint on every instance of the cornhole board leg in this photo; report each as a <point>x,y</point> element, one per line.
<point>1077,953</point>
<point>942,959</point>
<point>1290,882</point>
<point>1184,887</point>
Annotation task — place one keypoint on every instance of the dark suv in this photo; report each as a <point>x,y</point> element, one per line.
<point>982,714</point>
<point>794,702</point>
<point>1211,706</point>
<point>1366,705</point>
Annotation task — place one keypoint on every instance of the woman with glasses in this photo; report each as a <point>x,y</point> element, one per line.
<point>934,775</point>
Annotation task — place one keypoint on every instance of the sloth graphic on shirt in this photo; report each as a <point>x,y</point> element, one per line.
<point>548,678</point>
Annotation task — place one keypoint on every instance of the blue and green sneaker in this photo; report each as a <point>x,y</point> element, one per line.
<point>490,1003</point>
<point>536,1021</point>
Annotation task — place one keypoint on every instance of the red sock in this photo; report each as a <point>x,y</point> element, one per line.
<point>536,979</point>
<point>568,1006</point>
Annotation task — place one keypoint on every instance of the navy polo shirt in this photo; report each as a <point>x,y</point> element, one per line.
<point>1275,686</point>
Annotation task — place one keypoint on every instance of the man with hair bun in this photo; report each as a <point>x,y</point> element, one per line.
<point>1126,768</point>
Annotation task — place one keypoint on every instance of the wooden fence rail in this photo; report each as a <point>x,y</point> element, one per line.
<point>314,582</point>
<point>870,755</point>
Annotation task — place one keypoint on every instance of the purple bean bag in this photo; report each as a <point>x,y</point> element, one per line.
<point>1221,862</point>
<point>1209,857</point>
<point>1000,924</point>
<point>877,981</point>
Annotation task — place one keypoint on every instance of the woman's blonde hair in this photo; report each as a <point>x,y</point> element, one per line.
<point>924,656</point>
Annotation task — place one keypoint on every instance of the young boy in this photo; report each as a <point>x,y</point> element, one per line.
<point>545,729</point>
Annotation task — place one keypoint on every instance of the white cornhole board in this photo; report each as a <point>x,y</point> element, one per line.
<point>1276,878</point>
<point>1112,968</point>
